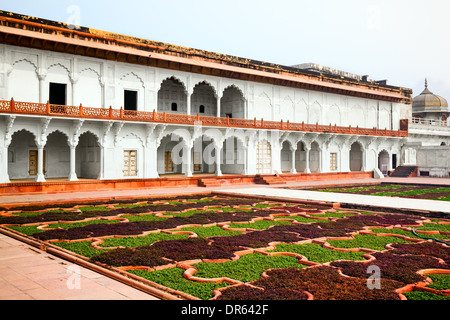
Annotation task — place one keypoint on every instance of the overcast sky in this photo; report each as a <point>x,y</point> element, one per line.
<point>403,41</point>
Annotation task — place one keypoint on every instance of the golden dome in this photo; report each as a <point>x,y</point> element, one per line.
<point>429,102</point>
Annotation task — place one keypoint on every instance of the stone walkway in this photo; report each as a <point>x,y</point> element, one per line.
<point>357,199</point>
<point>28,273</point>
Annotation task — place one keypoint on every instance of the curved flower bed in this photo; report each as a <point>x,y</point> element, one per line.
<point>231,248</point>
<point>396,190</point>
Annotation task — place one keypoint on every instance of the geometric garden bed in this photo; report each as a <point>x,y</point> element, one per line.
<point>227,248</point>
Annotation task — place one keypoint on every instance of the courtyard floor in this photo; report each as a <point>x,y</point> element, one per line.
<point>28,273</point>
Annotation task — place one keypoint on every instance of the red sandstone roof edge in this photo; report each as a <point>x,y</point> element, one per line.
<point>377,91</point>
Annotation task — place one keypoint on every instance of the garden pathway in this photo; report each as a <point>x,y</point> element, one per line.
<point>357,199</point>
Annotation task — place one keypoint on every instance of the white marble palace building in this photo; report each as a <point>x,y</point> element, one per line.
<point>83,103</point>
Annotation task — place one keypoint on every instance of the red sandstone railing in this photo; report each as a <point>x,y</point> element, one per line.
<point>46,109</point>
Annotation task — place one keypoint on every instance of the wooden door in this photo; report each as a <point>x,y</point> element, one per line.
<point>168,163</point>
<point>129,163</point>
<point>197,161</point>
<point>33,162</point>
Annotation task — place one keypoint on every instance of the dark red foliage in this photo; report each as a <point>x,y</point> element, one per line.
<point>311,231</point>
<point>74,216</point>
<point>257,239</point>
<point>396,267</point>
<point>431,249</point>
<point>135,228</point>
<point>132,257</point>
<point>243,292</point>
<point>175,250</point>
<point>325,283</point>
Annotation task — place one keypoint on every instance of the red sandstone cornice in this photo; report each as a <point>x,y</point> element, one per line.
<point>104,45</point>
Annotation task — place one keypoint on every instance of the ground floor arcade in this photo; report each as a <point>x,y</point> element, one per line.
<point>42,148</point>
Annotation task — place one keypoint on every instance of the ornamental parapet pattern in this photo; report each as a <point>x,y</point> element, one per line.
<point>110,114</point>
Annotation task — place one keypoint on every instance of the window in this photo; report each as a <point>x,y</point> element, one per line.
<point>57,93</point>
<point>201,109</point>
<point>130,100</point>
<point>129,163</point>
<point>174,106</point>
<point>333,161</point>
<point>229,115</point>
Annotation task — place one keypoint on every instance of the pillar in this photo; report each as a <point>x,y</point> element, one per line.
<point>188,104</point>
<point>293,170</point>
<point>4,176</point>
<point>218,159</point>
<point>73,174</point>
<point>41,77</point>
<point>40,165</point>
<point>218,106</point>
<point>188,161</point>
<point>307,170</point>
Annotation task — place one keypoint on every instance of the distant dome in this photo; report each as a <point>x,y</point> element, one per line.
<point>429,102</point>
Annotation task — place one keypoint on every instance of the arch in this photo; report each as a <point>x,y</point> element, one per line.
<point>263,107</point>
<point>25,130</point>
<point>131,135</point>
<point>89,69</point>
<point>237,87</point>
<point>87,159</point>
<point>132,74</point>
<point>301,111</point>
<point>57,155</point>
<point>26,61</point>
<point>23,75</point>
<point>59,65</point>
<point>314,157</point>
<point>170,154</point>
<point>89,89</point>
<point>175,80</point>
<point>233,102</point>
<point>22,160</point>
<point>286,156</point>
<point>385,119</point>
<point>89,131</point>
<point>383,161</point>
<point>182,134</point>
<point>372,117</point>
<point>315,113</point>
<point>204,154</point>
<point>171,91</point>
<point>356,116</point>
<point>300,156</point>
<point>287,108</point>
<point>58,131</point>
<point>204,94</point>
<point>356,156</point>
<point>239,134</point>
<point>233,156</point>
<point>333,116</point>
<point>206,83</point>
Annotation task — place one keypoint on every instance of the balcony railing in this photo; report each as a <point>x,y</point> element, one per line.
<point>429,122</point>
<point>46,109</point>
